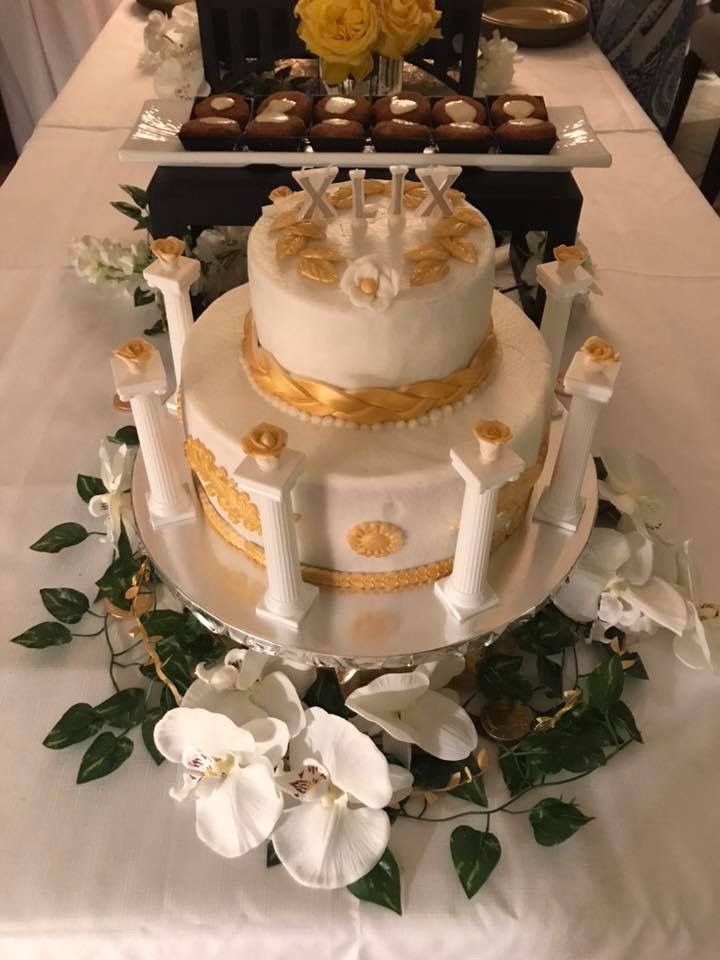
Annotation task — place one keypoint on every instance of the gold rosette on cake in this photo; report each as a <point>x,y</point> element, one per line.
<point>598,351</point>
<point>491,435</point>
<point>265,443</point>
<point>135,352</point>
<point>168,250</point>
<point>375,538</point>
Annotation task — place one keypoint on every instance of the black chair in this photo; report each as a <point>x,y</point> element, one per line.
<point>244,37</point>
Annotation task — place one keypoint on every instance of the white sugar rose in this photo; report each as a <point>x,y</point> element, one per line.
<point>369,283</point>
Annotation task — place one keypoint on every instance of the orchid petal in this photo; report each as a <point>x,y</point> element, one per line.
<point>251,667</point>
<point>400,750</point>
<point>241,812</point>
<point>440,727</point>
<point>606,551</point>
<point>579,597</point>
<point>441,672</point>
<point>210,733</point>
<point>302,676</point>
<point>621,501</point>
<point>330,846</point>
<point>660,601</point>
<point>353,761</point>
<point>219,678</point>
<point>610,610</point>
<point>276,695</point>
<point>271,738</point>
<point>638,567</point>
<point>691,646</point>
<point>235,704</point>
<point>392,692</point>
<point>99,505</point>
<point>402,782</point>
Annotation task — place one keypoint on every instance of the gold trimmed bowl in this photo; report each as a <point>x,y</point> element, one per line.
<point>535,23</point>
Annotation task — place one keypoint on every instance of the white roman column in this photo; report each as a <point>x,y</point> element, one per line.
<point>269,481</point>
<point>466,591</point>
<point>591,384</point>
<point>174,280</point>
<point>143,384</point>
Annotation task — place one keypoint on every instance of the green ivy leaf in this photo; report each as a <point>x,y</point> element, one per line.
<point>136,194</point>
<point>499,678</point>
<point>157,328</point>
<point>550,675</point>
<point>77,724</point>
<point>126,435</point>
<point>65,604</point>
<point>549,631</point>
<point>326,693</point>
<point>148,733</point>
<point>104,755</point>
<point>473,791</point>
<point>123,709</point>
<point>117,579</point>
<point>59,537</point>
<point>127,209</point>
<point>141,297</point>
<point>89,487</point>
<point>49,634</point>
<point>623,722</point>
<point>554,821</point>
<point>430,773</point>
<point>475,854</point>
<point>605,684</point>
<point>124,550</point>
<point>381,885</point>
<point>633,666</point>
<point>165,623</point>
<point>271,858</point>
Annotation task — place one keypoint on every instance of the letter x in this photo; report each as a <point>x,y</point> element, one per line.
<point>437,181</point>
<point>315,182</point>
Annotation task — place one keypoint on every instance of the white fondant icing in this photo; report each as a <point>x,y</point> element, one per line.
<point>518,109</point>
<point>426,333</point>
<point>279,105</point>
<point>217,121</point>
<point>222,103</point>
<point>401,475</point>
<point>268,116</point>
<point>525,122</point>
<point>339,104</point>
<point>465,126</point>
<point>337,121</point>
<point>399,106</point>
<point>460,111</point>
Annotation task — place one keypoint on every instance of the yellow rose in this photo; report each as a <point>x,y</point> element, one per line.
<point>168,250</point>
<point>264,444</point>
<point>405,24</point>
<point>135,353</point>
<point>343,33</point>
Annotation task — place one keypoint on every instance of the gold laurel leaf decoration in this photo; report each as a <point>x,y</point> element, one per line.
<point>340,194</point>
<point>289,244</point>
<point>375,187</point>
<point>455,196</point>
<point>283,220</point>
<point>463,250</point>
<point>320,271</point>
<point>414,186</point>
<point>304,228</point>
<point>235,502</point>
<point>470,216</point>
<point>319,251</point>
<point>450,227</point>
<point>428,251</point>
<point>344,203</point>
<point>428,271</point>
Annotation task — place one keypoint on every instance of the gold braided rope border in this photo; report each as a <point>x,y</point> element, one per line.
<point>363,405</point>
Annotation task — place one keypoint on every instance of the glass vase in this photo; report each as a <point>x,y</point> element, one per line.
<point>384,79</point>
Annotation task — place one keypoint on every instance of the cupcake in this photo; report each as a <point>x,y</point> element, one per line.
<point>345,108</point>
<point>517,107</point>
<point>400,135</point>
<point>465,137</point>
<point>458,109</point>
<point>292,102</point>
<point>528,135</point>
<point>411,107</point>
<point>274,131</point>
<point>209,133</point>
<point>336,133</point>
<point>231,106</point>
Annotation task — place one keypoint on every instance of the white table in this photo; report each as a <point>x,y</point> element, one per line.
<point>112,869</point>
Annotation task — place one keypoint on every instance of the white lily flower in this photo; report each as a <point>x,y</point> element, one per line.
<point>249,686</point>
<point>638,488</point>
<point>114,506</point>
<point>230,772</point>
<point>339,829</point>
<point>410,708</point>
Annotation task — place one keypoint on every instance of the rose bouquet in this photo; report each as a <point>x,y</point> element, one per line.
<point>346,33</point>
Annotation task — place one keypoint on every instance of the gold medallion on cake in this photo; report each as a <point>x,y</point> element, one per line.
<point>506,721</point>
<point>375,538</point>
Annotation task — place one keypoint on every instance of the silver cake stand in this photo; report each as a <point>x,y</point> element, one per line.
<point>363,630</point>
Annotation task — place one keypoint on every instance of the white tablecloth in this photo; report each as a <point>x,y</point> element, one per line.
<point>112,869</point>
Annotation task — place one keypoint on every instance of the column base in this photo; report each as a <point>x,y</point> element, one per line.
<point>183,512</point>
<point>289,615</point>
<point>557,409</point>
<point>460,607</point>
<point>567,519</point>
<point>171,404</point>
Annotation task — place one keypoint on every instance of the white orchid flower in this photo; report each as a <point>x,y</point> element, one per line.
<point>230,771</point>
<point>114,506</point>
<point>698,646</point>
<point>249,686</point>
<point>180,79</point>
<point>410,708</point>
<point>614,585</point>
<point>339,829</point>
<point>638,488</point>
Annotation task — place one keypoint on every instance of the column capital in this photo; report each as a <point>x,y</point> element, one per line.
<point>181,276</point>
<point>139,379</point>
<point>486,476</point>
<point>589,380</point>
<point>564,280</point>
<point>273,484</point>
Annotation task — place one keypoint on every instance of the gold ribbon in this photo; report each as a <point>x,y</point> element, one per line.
<point>363,405</point>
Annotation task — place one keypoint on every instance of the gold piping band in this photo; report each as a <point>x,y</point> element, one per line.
<point>363,405</point>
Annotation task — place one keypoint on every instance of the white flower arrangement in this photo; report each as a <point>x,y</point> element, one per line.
<point>116,463</point>
<point>495,67</point>
<point>105,262</point>
<point>173,54</point>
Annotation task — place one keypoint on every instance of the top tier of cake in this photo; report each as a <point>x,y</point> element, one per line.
<point>382,303</point>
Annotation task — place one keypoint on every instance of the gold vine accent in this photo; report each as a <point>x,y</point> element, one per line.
<point>236,503</point>
<point>363,405</point>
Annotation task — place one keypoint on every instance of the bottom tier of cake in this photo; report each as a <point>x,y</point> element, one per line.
<point>375,508</point>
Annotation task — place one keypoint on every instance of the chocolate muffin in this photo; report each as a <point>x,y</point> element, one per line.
<point>229,105</point>
<point>336,133</point>
<point>463,137</point>
<point>400,135</point>
<point>407,106</point>
<point>274,127</point>
<point>458,109</point>
<point>302,105</point>
<point>209,133</point>
<point>345,108</point>
<point>529,135</point>
<point>509,107</point>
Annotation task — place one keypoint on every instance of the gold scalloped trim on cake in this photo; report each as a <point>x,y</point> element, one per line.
<point>216,482</point>
<point>364,405</point>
